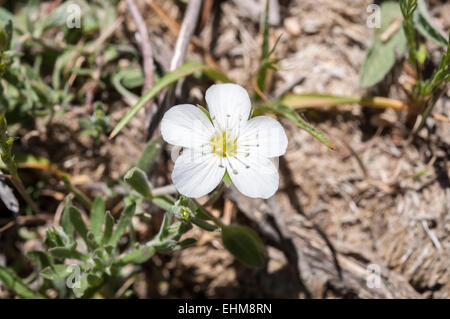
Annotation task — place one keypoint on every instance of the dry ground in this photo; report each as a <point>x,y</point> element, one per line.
<point>333,216</point>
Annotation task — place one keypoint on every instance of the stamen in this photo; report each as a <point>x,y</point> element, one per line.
<point>221,164</point>
<point>226,123</point>
<point>216,125</point>
<point>243,163</point>
<point>235,171</point>
<point>223,143</point>
<point>245,153</point>
<point>239,125</point>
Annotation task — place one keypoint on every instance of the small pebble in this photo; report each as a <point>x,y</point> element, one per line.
<point>292,26</point>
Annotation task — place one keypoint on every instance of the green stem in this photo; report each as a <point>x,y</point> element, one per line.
<point>431,102</point>
<point>78,194</point>
<point>166,201</point>
<point>216,220</point>
<point>164,190</point>
<point>216,194</point>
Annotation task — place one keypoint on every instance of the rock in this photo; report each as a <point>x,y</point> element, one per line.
<point>292,26</point>
<point>313,25</point>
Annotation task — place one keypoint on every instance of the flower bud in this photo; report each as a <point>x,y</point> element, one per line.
<point>137,179</point>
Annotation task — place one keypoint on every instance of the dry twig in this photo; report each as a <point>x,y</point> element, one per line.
<point>147,55</point>
<point>184,38</point>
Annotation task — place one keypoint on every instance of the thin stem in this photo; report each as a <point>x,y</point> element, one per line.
<point>146,49</point>
<point>186,33</point>
<point>435,97</point>
<point>214,196</point>
<point>164,190</point>
<point>216,220</point>
<point>78,194</point>
<point>184,38</point>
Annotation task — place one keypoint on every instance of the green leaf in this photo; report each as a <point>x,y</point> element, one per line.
<point>381,56</point>
<point>3,40</point>
<point>163,202</point>
<point>244,244</point>
<point>97,217</point>
<point>164,228</point>
<point>56,237</point>
<point>122,224</point>
<point>205,111</point>
<point>80,290</point>
<point>65,221</point>
<point>217,75</point>
<point>5,15</point>
<point>198,210</point>
<point>10,279</point>
<point>63,252</point>
<point>68,55</point>
<point>187,242</point>
<point>177,229</point>
<point>204,225</point>
<point>94,280</point>
<point>266,62</point>
<point>150,154</point>
<point>78,223</point>
<point>57,18</point>
<point>138,256</point>
<point>265,44</point>
<point>137,179</point>
<point>57,272</point>
<point>165,81</point>
<point>78,194</point>
<point>92,241</point>
<point>424,24</point>
<point>201,214</point>
<point>109,249</point>
<point>99,262</point>
<point>291,115</point>
<point>132,77</point>
<point>422,53</point>
<point>41,258</point>
<point>109,224</point>
<point>6,38</point>
<point>116,80</point>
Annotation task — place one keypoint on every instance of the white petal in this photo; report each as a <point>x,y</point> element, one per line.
<point>264,135</point>
<point>254,176</point>
<point>196,175</point>
<point>186,125</point>
<point>229,104</point>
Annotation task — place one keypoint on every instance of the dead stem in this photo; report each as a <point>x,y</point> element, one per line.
<point>184,37</point>
<point>147,55</point>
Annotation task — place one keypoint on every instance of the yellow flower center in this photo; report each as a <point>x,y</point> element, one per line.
<point>224,144</point>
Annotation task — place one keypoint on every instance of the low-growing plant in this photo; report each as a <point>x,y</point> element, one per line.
<point>402,25</point>
<point>91,252</point>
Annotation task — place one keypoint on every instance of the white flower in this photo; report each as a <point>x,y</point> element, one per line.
<point>228,142</point>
